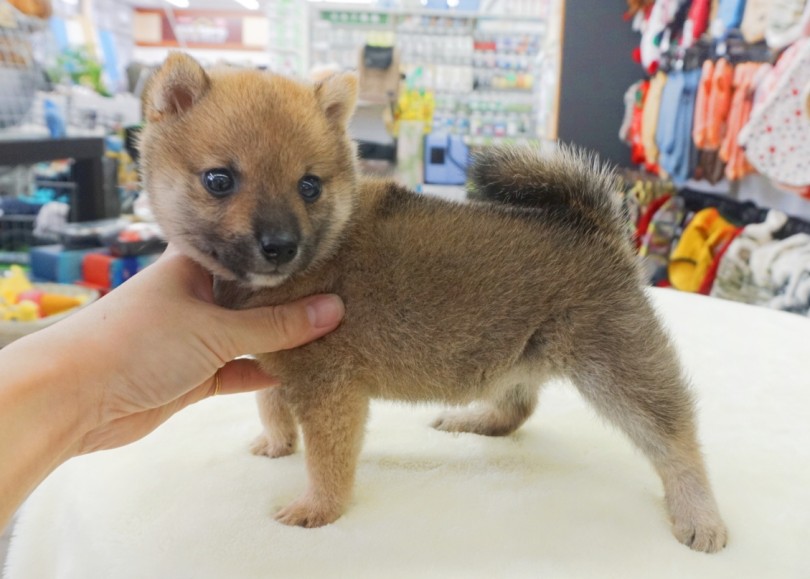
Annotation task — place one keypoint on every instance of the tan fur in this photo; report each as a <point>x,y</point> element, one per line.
<point>477,303</point>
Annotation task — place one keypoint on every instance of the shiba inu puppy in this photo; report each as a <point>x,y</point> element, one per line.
<point>253,175</point>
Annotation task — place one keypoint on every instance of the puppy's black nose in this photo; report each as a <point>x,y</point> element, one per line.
<point>278,248</point>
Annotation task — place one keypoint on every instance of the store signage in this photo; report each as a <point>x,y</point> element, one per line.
<point>203,29</point>
<point>198,29</point>
<point>359,18</point>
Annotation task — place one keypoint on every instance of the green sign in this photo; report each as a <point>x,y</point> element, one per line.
<point>359,18</point>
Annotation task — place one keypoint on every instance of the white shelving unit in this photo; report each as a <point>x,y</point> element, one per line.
<point>288,36</point>
<point>494,72</point>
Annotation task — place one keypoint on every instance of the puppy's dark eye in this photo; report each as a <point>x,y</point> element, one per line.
<point>219,182</point>
<point>309,187</point>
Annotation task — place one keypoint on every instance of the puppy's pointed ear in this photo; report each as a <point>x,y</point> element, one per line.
<point>174,88</point>
<point>337,95</point>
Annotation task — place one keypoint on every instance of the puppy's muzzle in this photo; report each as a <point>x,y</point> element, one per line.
<point>278,248</point>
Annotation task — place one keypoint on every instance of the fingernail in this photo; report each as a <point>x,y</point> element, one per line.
<point>325,311</point>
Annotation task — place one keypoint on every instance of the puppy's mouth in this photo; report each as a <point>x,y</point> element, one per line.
<point>238,262</point>
<point>266,279</point>
<point>247,270</point>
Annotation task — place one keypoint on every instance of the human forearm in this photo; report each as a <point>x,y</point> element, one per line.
<point>41,420</point>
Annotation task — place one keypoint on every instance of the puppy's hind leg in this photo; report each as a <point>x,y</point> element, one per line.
<point>280,429</point>
<point>634,379</point>
<point>498,416</point>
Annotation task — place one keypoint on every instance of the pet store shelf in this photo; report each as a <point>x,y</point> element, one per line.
<point>394,12</point>
<point>461,57</point>
<point>88,200</point>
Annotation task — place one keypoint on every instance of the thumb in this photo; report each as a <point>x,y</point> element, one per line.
<point>274,328</point>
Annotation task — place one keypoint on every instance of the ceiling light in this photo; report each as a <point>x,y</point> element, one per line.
<point>249,4</point>
<point>178,3</point>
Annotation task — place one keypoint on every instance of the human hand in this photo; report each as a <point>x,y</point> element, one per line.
<point>154,346</point>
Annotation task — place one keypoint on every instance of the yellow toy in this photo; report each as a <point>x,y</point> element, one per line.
<point>20,301</point>
<point>25,311</point>
<point>13,285</point>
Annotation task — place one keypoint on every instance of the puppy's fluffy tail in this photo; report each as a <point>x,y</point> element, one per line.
<point>569,182</point>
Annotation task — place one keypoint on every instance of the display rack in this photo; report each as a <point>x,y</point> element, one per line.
<point>287,36</point>
<point>488,70</point>
<point>88,201</point>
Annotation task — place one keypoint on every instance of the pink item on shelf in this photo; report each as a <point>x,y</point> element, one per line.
<point>777,139</point>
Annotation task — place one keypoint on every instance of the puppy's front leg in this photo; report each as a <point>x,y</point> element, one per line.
<point>333,426</point>
<point>280,430</point>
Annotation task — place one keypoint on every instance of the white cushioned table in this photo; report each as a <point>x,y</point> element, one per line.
<point>566,496</point>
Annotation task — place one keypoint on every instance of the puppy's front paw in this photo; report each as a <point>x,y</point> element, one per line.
<point>263,446</point>
<point>707,537</point>
<point>307,512</point>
